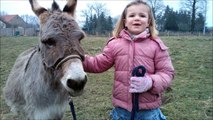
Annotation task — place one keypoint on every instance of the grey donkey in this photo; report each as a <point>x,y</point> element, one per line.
<point>44,77</point>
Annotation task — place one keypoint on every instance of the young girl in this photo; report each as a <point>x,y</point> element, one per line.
<point>135,43</point>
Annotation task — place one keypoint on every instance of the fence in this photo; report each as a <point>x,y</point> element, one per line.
<point>18,32</point>
<point>169,33</point>
<point>34,32</point>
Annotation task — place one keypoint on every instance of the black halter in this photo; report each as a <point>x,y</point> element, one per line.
<point>65,59</point>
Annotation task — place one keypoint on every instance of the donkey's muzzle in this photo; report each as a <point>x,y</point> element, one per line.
<point>77,85</point>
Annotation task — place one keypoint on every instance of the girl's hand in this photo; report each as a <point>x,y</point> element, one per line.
<point>140,84</point>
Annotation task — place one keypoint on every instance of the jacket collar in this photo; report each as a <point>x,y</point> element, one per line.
<point>126,35</point>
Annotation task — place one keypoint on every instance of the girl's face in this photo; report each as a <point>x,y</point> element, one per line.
<point>137,19</point>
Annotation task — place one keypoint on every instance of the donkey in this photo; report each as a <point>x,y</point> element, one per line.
<point>44,77</point>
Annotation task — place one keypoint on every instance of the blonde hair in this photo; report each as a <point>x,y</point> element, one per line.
<point>120,25</point>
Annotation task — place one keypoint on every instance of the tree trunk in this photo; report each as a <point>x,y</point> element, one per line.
<point>193,16</point>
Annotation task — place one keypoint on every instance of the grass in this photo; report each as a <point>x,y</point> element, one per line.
<point>191,97</point>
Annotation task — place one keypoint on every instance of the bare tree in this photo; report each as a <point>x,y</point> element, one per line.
<point>30,20</point>
<point>205,12</point>
<point>99,8</point>
<point>157,7</point>
<point>97,19</point>
<point>87,12</point>
<point>94,8</point>
<point>195,7</point>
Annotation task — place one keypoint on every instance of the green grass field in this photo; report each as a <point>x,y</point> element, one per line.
<point>191,97</point>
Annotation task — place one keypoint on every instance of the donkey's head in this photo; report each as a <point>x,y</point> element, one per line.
<point>59,44</point>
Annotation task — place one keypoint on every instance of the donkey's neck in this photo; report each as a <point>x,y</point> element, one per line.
<point>47,81</point>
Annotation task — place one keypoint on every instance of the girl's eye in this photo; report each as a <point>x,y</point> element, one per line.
<point>142,16</point>
<point>131,15</point>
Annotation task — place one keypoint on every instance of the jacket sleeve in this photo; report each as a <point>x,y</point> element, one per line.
<point>100,62</point>
<point>164,70</point>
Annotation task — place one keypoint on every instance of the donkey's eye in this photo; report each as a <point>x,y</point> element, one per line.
<point>78,35</point>
<point>81,36</point>
<point>49,42</point>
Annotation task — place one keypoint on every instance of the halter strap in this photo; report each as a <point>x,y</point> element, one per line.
<point>67,58</point>
<point>31,55</point>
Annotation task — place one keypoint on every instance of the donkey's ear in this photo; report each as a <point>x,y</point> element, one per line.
<point>70,7</point>
<point>37,9</point>
<point>55,6</point>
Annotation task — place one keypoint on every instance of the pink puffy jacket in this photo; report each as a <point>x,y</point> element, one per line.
<point>124,54</point>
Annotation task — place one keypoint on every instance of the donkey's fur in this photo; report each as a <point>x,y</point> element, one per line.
<point>36,87</point>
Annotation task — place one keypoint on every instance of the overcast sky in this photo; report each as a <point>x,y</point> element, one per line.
<point>115,7</point>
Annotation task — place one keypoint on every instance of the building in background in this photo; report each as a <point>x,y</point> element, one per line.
<point>14,25</point>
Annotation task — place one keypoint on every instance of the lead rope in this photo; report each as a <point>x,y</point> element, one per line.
<point>138,72</point>
<point>72,109</point>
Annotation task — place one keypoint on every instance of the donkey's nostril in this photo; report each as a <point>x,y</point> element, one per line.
<point>76,85</point>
